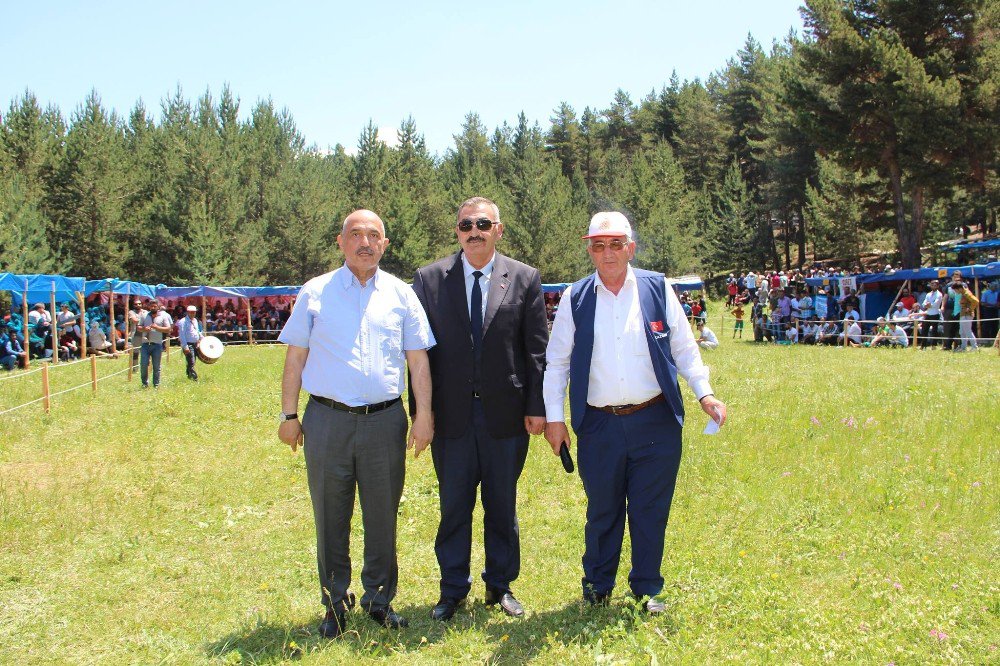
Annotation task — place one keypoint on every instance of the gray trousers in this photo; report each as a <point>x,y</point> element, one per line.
<point>344,451</point>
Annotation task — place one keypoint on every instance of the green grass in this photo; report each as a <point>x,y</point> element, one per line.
<point>173,527</point>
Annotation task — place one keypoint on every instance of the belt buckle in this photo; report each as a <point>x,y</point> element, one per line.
<point>614,409</point>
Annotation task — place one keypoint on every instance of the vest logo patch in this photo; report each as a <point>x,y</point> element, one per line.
<point>656,326</point>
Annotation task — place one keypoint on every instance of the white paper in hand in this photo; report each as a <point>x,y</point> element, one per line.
<point>712,427</point>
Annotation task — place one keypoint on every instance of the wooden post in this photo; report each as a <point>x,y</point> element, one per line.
<point>905,285</point>
<point>111,316</point>
<point>979,313</point>
<point>916,332</point>
<point>204,316</point>
<point>128,353</point>
<point>45,387</point>
<point>249,324</point>
<point>83,324</point>
<point>846,326</point>
<point>53,329</point>
<point>27,333</point>
<point>93,373</point>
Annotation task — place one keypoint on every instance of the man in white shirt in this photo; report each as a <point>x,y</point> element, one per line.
<point>791,333</point>
<point>620,341</point>
<point>39,313</point>
<point>853,333</point>
<point>706,338</point>
<point>189,334</point>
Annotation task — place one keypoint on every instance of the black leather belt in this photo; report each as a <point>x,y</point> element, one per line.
<point>625,410</point>
<point>360,409</point>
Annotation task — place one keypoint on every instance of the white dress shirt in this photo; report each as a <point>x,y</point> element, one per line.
<point>484,281</point>
<point>621,370</point>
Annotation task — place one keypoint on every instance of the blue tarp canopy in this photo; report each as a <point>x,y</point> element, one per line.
<point>978,245</point>
<point>934,273</point>
<point>201,290</point>
<point>686,283</point>
<point>41,287</point>
<point>260,292</point>
<point>116,286</point>
<point>555,287</point>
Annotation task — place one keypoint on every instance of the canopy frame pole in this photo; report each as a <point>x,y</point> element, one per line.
<point>111,316</point>
<point>83,325</point>
<point>249,324</point>
<point>52,327</point>
<point>979,313</point>
<point>24,323</point>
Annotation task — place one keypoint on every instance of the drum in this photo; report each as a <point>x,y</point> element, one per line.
<point>210,349</point>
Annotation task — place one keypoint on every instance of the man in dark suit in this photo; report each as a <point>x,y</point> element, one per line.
<point>488,316</point>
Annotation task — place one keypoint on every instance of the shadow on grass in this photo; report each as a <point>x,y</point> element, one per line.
<point>514,640</point>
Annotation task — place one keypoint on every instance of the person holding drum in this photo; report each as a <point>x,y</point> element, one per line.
<point>189,334</point>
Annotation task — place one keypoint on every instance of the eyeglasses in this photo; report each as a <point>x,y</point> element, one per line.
<point>483,224</point>
<point>615,245</point>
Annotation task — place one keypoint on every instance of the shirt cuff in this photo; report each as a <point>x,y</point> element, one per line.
<point>557,414</point>
<point>701,388</point>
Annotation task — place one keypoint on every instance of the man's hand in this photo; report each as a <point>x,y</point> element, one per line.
<point>535,425</point>
<point>290,432</point>
<point>557,434</point>
<point>715,408</point>
<point>421,433</point>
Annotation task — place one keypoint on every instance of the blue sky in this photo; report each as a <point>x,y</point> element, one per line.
<point>336,65</point>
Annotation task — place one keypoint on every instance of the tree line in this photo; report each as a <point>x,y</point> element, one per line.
<point>875,130</point>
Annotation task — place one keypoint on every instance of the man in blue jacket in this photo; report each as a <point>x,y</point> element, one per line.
<point>620,338</point>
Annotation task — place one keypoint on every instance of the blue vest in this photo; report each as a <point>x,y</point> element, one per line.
<point>653,304</point>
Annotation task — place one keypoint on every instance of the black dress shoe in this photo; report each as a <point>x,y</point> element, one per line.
<point>595,599</point>
<point>445,609</point>
<point>505,598</point>
<point>333,624</point>
<point>388,618</point>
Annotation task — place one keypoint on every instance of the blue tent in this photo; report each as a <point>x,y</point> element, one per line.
<point>200,290</point>
<point>978,245</point>
<point>116,286</point>
<point>40,288</point>
<point>259,292</point>
<point>683,283</point>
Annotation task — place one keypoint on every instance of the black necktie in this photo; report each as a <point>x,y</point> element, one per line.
<point>476,313</point>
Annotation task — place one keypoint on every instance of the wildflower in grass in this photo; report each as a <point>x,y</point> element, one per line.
<point>938,634</point>
<point>814,421</point>
<point>954,586</point>
<point>786,474</point>
<point>850,422</point>
<point>906,457</point>
<point>898,585</point>
<point>870,421</point>
<point>743,553</point>
<point>976,484</point>
<point>863,627</point>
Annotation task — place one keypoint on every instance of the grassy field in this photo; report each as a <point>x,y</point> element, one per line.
<point>847,513</point>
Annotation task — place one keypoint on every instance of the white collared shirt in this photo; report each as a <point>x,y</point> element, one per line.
<point>357,335</point>
<point>484,281</point>
<point>621,370</point>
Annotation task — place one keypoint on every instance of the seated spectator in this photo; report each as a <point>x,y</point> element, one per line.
<point>791,334</point>
<point>853,333</point>
<point>706,338</point>
<point>829,332</point>
<point>39,313</point>
<point>97,341</point>
<point>40,341</point>
<point>66,319</point>
<point>851,313</point>
<point>11,352</point>
<point>69,346</point>
<point>810,331</point>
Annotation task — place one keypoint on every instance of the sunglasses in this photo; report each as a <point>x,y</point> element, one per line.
<point>615,245</point>
<point>483,224</point>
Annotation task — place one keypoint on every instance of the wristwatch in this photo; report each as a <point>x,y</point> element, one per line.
<point>282,417</point>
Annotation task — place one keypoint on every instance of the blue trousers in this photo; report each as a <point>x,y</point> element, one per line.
<point>151,351</point>
<point>462,464</point>
<point>628,465</point>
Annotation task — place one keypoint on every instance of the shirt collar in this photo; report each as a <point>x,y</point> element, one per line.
<point>629,278</point>
<point>349,280</point>
<point>486,270</point>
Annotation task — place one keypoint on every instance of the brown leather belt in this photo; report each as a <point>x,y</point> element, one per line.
<point>625,410</point>
<point>361,409</point>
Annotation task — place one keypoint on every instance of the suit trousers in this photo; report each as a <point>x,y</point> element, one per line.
<point>629,466</point>
<point>345,451</point>
<point>462,464</point>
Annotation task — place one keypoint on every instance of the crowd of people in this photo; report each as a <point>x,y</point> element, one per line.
<point>783,308</point>
<point>223,318</point>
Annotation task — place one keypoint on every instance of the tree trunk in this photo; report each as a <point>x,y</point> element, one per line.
<point>786,233</point>
<point>802,236</point>
<point>908,231</point>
